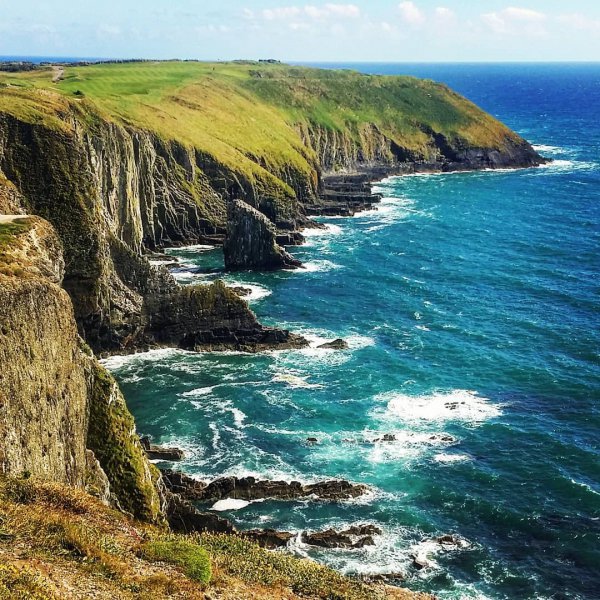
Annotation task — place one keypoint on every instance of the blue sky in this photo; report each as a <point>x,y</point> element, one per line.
<point>359,30</point>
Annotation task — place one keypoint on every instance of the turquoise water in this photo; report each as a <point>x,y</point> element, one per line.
<point>470,302</point>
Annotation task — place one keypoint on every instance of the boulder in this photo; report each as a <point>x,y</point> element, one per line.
<point>268,538</point>
<point>185,518</point>
<point>251,241</point>
<point>178,483</point>
<point>154,452</point>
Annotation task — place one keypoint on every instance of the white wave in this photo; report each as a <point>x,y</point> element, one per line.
<point>114,363</point>
<point>198,392</point>
<point>451,458</point>
<point>384,206</point>
<point>318,266</point>
<point>566,166</point>
<point>192,248</point>
<point>258,292</point>
<point>356,342</point>
<point>295,381</point>
<point>158,263</point>
<point>548,149</point>
<point>456,405</point>
<point>422,327</point>
<point>585,486</point>
<point>183,276</point>
<point>330,229</point>
<point>238,417</point>
<point>229,504</point>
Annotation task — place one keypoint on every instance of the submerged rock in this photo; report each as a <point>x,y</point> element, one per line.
<point>338,344</point>
<point>251,241</point>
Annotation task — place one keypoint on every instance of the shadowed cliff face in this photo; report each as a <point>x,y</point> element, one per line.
<point>62,416</point>
<point>372,152</point>
<point>112,193</point>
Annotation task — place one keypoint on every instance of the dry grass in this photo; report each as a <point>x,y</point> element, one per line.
<point>57,542</point>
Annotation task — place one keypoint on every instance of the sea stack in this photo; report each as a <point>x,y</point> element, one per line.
<point>251,241</point>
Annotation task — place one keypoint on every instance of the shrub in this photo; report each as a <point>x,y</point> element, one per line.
<point>194,560</point>
<point>21,582</point>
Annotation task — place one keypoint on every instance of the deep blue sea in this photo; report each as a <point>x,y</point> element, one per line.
<point>470,302</point>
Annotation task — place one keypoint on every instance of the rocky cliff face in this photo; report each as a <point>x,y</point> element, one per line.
<point>251,241</point>
<point>43,386</point>
<point>113,193</point>
<point>62,417</point>
<point>367,149</point>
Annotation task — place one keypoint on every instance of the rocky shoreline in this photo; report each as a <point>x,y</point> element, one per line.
<point>253,242</point>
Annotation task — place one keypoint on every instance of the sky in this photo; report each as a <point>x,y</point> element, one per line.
<point>291,30</point>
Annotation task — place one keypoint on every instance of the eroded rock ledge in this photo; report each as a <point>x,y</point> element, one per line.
<point>249,488</point>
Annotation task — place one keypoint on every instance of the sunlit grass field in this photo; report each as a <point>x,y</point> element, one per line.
<point>247,115</point>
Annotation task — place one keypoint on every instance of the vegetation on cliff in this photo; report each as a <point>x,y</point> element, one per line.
<point>56,402</point>
<point>112,438</point>
<point>247,117</point>
<point>59,542</point>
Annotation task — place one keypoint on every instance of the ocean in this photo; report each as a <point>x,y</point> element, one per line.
<point>470,304</point>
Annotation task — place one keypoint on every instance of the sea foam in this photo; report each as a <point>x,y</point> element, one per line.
<point>438,407</point>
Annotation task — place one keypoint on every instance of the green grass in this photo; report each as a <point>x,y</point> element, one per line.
<point>193,559</point>
<point>9,230</point>
<point>247,115</point>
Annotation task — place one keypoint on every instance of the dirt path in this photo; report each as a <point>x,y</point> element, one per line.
<point>10,218</point>
<point>58,73</point>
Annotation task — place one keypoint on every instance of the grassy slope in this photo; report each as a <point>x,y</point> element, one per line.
<point>244,114</point>
<point>58,542</point>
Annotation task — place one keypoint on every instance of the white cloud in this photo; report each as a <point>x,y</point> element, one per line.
<point>443,13</point>
<point>321,12</point>
<point>283,13</point>
<point>579,22</point>
<point>523,14</point>
<point>106,30</point>
<point>411,13</point>
<point>515,20</point>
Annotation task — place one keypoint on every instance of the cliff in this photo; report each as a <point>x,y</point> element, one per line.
<point>117,161</point>
<point>62,417</point>
<point>126,158</point>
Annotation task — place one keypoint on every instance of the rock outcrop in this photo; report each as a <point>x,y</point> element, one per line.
<point>357,536</point>
<point>112,194</point>
<point>249,488</point>
<point>251,241</point>
<point>154,452</point>
<point>211,318</point>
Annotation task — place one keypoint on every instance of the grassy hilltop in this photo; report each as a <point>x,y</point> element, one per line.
<point>246,115</point>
